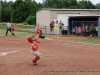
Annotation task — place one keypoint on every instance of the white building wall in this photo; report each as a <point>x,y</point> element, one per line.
<point>43,17</point>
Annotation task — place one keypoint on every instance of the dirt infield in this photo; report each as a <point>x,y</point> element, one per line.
<point>57,57</point>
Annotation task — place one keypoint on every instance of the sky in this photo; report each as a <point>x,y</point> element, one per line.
<point>93,1</point>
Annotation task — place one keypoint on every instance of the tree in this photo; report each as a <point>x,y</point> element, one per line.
<point>53,4</point>
<point>5,11</point>
<point>86,5</point>
<point>22,9</point>
<point>72,7</point>
<point>31,19</point>
<point>97,6</point>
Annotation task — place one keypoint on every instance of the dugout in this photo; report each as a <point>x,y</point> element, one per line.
<point>83,19</point>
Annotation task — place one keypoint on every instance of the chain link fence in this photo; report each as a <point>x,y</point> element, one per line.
<point>30,28</point>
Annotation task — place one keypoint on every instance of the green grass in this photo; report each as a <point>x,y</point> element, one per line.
<point>25,33</point>
<point>17,33</point>
<point>85,40</point>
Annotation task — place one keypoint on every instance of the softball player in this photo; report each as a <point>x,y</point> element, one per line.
<point>12,30</point>
<point>37,31</point>
<point>34,48</point>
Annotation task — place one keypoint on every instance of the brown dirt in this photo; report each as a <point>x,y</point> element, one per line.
<point>57,57</point>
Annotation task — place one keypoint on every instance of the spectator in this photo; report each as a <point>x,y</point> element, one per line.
<point>79,30</point>
<point>87,30</point>
<point>96,30</point>
<point>52,26</point>
<point>91,30</point>
<point>73,31</point>
<point>76,30</point>
<point>61,24</point>
<point>56,28</point>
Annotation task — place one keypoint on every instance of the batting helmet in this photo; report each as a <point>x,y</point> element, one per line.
<point>29,38</point>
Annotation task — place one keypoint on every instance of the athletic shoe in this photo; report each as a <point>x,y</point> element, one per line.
<point>34,62</point>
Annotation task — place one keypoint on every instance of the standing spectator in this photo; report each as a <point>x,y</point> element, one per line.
<point>8,28</point>
<point>52,26</point>
<point>96,30</point>
<point>83,29</point>
<point>61,24</point>
<point>79,30</point>
<point>87,30</point>
<point>56,28</point>
<point>76,30</point>
<point>73,31</point>
<point>91,30</point>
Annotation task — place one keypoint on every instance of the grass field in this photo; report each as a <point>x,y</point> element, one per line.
<point>86,40</point>
<point>17,33</point>
<point>72,39</point>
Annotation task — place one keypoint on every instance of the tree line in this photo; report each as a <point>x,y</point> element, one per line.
<point>24,11</point>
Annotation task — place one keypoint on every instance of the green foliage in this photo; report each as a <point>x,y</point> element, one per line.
<point>25,23</point>
<point>98,6</point>
<point>5,11</point>
<point>84,4</point>
<point>31,20</point>
<point>20,10</point>
<point>72,7</point>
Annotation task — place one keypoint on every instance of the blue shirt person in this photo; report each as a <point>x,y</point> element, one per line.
<point>61,24</point>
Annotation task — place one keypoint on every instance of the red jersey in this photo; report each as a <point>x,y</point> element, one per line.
<point>36,44</point>
<point>37,30</point>
<point>12,28</point>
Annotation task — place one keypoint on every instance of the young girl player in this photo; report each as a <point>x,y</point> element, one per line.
<point>34,48</point>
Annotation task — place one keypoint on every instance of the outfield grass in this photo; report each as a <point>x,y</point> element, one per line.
<point>85,40</point>
<point>17,33</point>
<point>74,39</point>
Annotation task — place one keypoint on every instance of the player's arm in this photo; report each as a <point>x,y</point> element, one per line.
<point>37,38</point>
<point>35,47</point>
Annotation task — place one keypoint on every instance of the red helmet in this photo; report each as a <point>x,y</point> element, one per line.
<point>29,38</point>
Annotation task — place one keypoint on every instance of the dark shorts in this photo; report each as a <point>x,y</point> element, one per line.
<point>51,29</point>
<point>9,29</point>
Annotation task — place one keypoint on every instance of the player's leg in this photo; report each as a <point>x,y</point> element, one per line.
<point>6,32</point>
<point>13,33</point>
<point>37,56</point>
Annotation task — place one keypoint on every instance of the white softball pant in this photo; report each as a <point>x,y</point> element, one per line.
<point>36,53</point>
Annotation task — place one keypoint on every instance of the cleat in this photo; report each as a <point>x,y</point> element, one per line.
<point>34,63</point>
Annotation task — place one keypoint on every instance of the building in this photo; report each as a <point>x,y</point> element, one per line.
<point>45,16</point>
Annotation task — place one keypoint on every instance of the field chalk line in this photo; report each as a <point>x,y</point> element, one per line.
<point>5,53</point>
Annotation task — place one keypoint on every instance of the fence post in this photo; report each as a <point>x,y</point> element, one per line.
<point>99,26</point>
<point>45,29</point>
<point>81,28</point>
